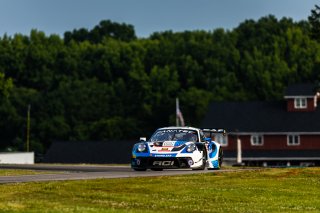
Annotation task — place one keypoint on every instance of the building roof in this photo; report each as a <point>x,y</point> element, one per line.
<point>300,90</point>
<point>260,117</point>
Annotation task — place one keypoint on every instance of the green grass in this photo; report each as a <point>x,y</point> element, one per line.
<point>267,190</point>
<point>13,172</point>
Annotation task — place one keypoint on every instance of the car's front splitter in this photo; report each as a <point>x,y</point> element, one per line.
<point>161,162</point>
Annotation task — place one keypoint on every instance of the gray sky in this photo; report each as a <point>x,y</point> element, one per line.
<point>147,16</point>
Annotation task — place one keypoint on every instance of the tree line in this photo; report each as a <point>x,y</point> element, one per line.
<point>106,83</point>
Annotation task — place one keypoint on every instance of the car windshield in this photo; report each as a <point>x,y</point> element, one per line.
<point>174,135</point>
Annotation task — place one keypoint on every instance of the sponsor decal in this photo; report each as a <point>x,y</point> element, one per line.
<point>178,130</point>
<point>163,163</point>
<point>164,155</point>
<point>164,150</point>
<point>168,143</point>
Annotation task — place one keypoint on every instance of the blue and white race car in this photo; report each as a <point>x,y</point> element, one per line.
<point>178,147</point>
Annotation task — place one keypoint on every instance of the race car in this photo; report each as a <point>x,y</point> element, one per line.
<point>178,147</point>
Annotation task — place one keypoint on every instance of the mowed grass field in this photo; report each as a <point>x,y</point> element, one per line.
<point>14,172</point>
<point>266,190</point>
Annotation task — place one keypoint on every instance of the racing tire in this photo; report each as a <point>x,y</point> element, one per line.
<point>204,162</point>
<point>140,169</point>
<point>220,157</point>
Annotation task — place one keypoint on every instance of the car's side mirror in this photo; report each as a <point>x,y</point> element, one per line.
<point>208,140</point>
<point>143,139</point>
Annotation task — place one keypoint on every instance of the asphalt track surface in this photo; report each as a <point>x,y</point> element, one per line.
<point>87,172</point>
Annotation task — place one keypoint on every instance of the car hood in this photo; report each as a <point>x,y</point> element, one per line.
<point>167,146</point>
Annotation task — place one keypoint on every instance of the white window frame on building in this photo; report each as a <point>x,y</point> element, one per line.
<point>293,140</point>
<point>256,140</point>
<point>221,139</point>
<point>300,103</point>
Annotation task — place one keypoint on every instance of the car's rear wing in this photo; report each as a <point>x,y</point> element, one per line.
<point>214,131</point>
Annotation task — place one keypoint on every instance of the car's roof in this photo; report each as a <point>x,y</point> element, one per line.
<point>180,127</point>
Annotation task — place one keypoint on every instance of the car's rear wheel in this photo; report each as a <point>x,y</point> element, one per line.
<point>220,157</point>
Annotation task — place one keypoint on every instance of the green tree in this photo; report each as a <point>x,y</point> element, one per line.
<point>5,85</point>
<point>314,20</point>
<point>194,103</point>
<point>104,83</point>
<point>105,28</point>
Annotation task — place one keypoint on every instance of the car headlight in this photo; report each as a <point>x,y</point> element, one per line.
<point>142,147</point>
<point>191,148</point>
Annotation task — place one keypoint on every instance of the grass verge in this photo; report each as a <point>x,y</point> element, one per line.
<point>268,190</point>
<point>15,172</point>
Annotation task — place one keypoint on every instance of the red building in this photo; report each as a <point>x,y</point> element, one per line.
<point>283,132</point>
